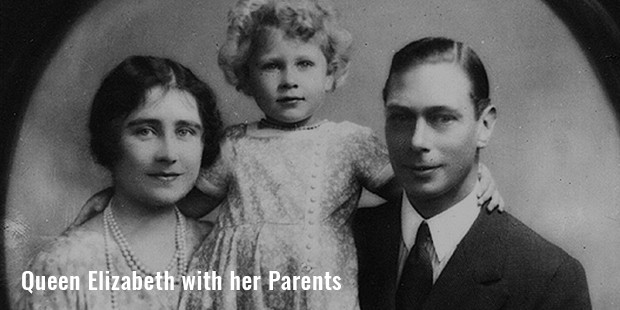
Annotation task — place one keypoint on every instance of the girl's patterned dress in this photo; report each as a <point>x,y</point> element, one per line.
<point>290,198</point>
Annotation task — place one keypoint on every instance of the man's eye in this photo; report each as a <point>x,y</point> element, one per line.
<point>442,118</point>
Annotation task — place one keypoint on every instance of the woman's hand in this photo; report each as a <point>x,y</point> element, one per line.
<point>488,190</point>
<point>95,205</point>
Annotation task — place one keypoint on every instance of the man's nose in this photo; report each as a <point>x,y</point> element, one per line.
<point>419,136</point>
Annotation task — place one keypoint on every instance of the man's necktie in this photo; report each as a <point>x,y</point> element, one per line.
<point>416,280</point>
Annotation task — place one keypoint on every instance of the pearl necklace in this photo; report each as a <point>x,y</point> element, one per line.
<point>180,256</point>
<point>265,123</point>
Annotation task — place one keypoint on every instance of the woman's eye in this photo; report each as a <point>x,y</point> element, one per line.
<point>184,132</point>
<point>145,132</point>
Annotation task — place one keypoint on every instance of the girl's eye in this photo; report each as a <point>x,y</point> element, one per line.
<point>305,64</point>
<point>270,66</point>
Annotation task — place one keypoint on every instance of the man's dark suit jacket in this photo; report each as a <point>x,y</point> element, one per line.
<point>499,264</point>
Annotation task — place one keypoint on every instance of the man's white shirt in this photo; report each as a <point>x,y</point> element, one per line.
<point>447,230</point>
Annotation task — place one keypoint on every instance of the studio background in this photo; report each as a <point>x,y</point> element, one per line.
<point>555,151</point>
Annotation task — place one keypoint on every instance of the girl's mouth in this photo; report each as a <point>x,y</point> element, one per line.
<point>290,99</point>
<point>165,177</point>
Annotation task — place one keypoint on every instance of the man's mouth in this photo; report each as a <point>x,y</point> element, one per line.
<point>423,169</point>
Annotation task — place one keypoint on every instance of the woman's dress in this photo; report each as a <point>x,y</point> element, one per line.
<point>83,250</point>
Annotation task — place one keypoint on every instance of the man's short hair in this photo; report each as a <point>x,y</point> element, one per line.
<point>433,50</point>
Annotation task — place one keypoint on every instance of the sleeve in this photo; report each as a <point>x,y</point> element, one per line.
<point>371,160</point>
<point>214,180</point>
<point>567,289</point>
<point>51,264</point>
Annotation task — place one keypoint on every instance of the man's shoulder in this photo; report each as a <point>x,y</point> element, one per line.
<point>535,269</point>
<point>376,228</point>
<point>387,213</point>
<point>517,234</point>
<point>523,247</point>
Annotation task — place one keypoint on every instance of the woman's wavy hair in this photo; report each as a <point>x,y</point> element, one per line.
<point>125,88</point>
<point>303,20</point>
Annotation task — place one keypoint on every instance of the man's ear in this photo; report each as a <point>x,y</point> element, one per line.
<point>486,123</point>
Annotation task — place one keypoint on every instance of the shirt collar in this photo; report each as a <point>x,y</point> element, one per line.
<point>447,228</point>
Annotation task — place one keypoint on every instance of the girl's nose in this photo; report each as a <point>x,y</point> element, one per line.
<point>288,80</point>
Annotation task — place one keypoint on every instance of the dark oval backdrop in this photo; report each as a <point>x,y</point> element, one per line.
<point>554,74</point>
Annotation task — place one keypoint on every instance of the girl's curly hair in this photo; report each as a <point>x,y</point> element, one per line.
<point>299,19</point>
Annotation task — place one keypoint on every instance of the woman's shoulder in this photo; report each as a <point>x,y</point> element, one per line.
<point>77,237</point>
<point>70,250</point>
<point>197,231</point>
<point>75,253</point>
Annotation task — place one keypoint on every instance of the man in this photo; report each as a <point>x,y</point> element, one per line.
<point>436,249</point>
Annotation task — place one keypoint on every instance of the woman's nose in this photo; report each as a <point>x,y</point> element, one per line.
<point>168,150</point>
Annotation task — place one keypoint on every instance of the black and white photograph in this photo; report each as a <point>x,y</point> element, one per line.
<point>310,154</point>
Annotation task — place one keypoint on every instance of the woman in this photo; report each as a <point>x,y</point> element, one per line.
<point>153,124</point>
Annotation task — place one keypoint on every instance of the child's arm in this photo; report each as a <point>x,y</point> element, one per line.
<point>488,190</point>
<point>195,205</point>
<point>391,190</point>
<point>198,204</point>
<point>210,190</point>
<point>94,205</point>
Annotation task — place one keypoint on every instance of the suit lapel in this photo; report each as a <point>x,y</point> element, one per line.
<point>472,279</point>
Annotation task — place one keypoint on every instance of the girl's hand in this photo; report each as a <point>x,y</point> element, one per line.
<point>488,190</point>
<point>95,204</point>
<point>197,204</point>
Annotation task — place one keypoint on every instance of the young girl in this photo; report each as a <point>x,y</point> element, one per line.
<point>289,183</point>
